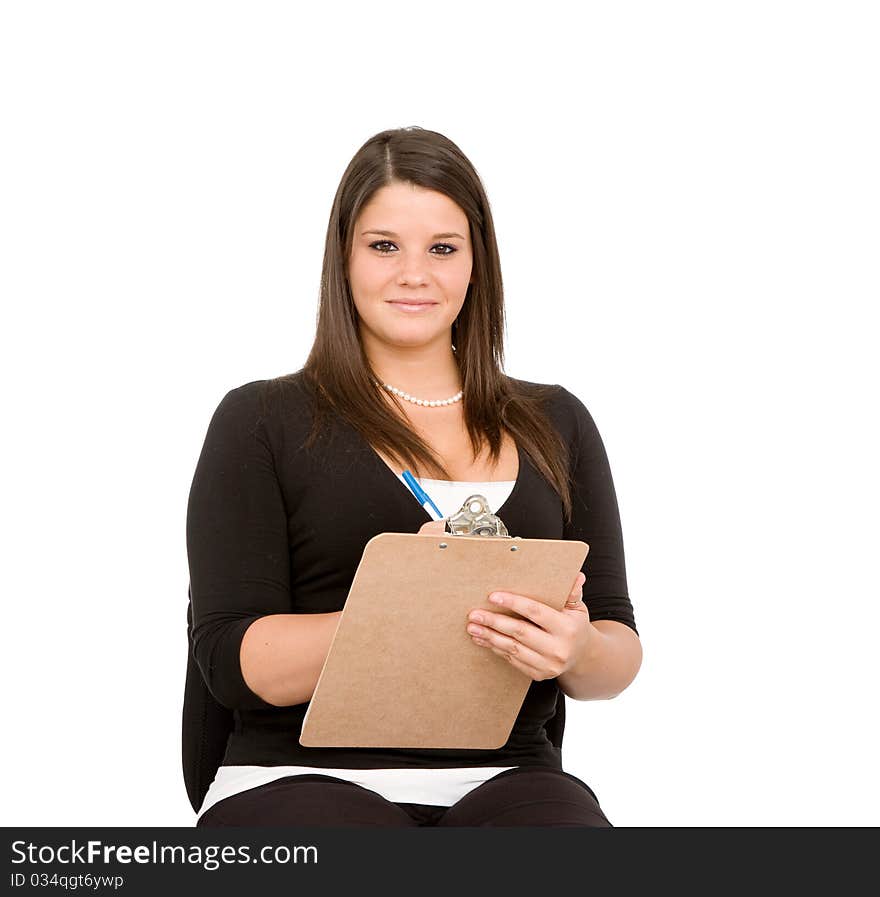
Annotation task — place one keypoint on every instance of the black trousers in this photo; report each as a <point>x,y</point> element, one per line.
<point>526,795</point>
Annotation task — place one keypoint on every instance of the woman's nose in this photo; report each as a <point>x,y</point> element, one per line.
<point>412,272</point>
<point>412,279</point>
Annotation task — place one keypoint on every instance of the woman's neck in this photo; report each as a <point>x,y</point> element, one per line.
<point>423,371</point>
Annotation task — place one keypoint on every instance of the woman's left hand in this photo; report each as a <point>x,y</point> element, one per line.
<point>546,644</point>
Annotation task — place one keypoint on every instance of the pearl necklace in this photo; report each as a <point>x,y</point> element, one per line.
<point>433,403</point>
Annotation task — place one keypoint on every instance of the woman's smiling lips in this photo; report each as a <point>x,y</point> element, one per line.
<point>412,306</point>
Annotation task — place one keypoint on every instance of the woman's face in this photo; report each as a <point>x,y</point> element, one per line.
<point>410,243</point>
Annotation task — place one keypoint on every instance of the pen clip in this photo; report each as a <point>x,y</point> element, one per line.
<point>413,484</point>
<point>422,497</point>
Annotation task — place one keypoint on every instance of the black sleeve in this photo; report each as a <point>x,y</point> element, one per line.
<point>236,541</point>
<point>596,521</point>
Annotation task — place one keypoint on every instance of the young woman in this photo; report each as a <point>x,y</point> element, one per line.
<point>298,472</point>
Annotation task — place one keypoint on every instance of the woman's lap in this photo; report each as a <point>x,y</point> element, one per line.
<point>526,795</point>
<point>316,800</point>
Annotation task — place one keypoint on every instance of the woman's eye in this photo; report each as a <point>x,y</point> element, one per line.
<point>380,243</point>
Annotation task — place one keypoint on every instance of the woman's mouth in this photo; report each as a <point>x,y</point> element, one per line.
<point>412,306</point>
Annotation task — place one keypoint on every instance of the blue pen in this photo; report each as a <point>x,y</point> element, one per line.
<point>421,496</point>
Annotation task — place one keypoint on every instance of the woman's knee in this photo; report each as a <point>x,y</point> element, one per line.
<point>312,800</point>
<point>536,796</point>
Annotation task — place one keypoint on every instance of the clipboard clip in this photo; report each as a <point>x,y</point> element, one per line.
<point>474,518</point>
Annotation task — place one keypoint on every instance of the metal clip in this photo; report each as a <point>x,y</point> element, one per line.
<point>475,519</point>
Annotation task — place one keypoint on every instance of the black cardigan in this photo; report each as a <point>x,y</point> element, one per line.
<point>274,528</point>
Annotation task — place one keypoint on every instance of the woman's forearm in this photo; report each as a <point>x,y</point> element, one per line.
<point>609,667</point>
<point>282,655</point>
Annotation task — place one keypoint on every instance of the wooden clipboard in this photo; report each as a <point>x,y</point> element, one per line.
<point>402,671</point>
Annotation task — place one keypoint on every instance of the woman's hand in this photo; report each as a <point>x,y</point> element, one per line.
<point>544,645</point>
<point>547,643</point>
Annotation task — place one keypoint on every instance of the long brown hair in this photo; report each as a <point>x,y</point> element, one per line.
<point>338,370</point>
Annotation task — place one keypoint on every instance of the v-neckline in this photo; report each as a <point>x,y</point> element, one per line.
<point>396,477</point>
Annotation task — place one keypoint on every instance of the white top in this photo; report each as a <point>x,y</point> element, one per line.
<point>435,787</point>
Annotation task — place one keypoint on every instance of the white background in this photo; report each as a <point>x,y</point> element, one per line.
<point>686,199</point>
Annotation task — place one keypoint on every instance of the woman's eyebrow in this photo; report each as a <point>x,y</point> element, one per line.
<point>390,233</point>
